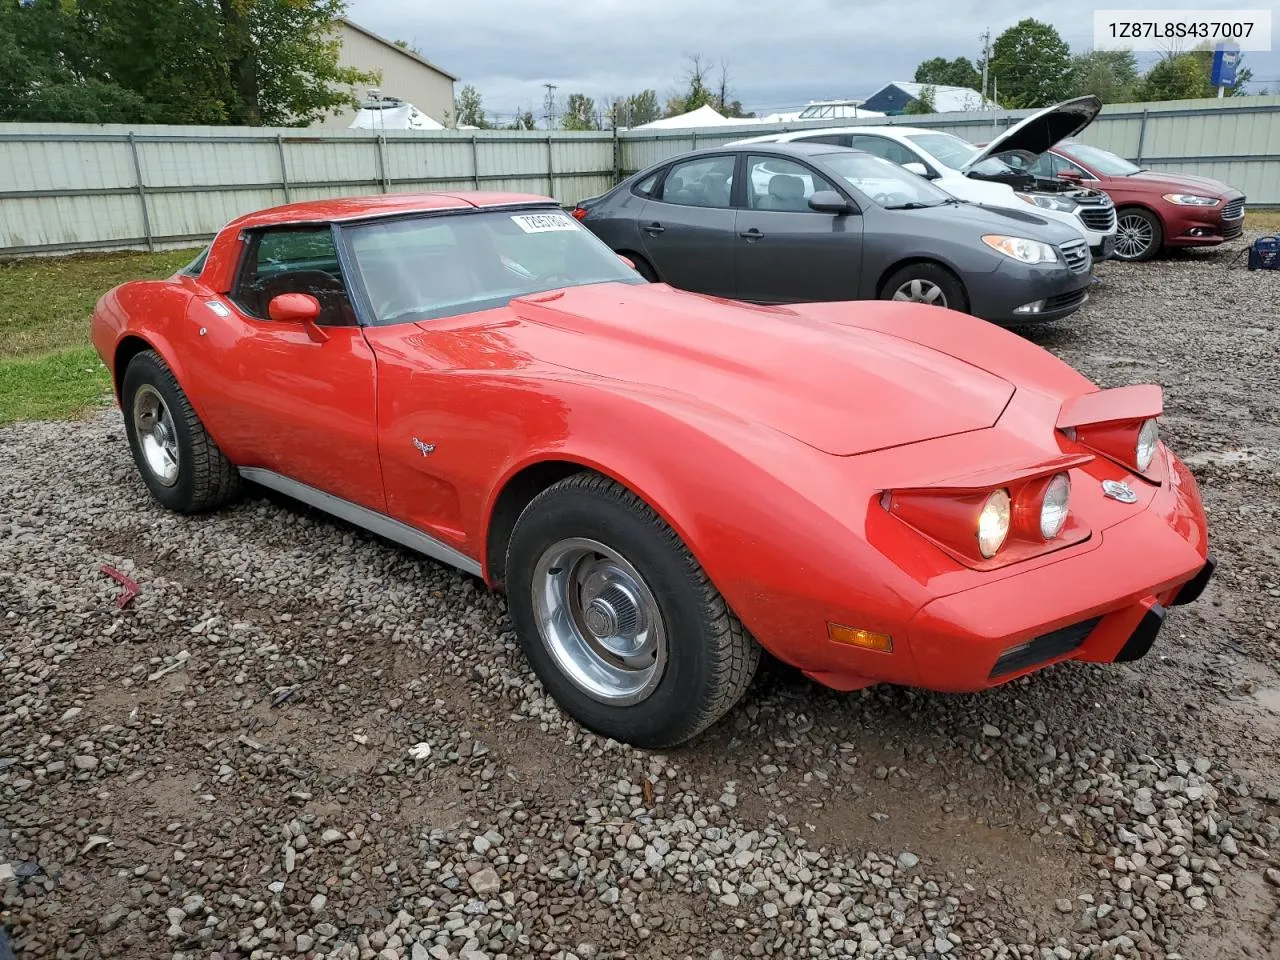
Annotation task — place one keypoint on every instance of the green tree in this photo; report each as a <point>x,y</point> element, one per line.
<point>1179,77</point>
<point>1204,56</point>
<point>468,109</point>
<point>926,103</point>
<point>696,93</point>
<point>1031,64</point>
<point>523,121</point>
<point>959,72</point>
<point>633,110</point>
<point>579,113</point>
<point>1111,75</point>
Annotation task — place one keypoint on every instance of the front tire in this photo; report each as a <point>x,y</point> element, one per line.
<point>929,283</point>
<point>617,618</point>
<point>1139,235</point>
<point>178,460</point>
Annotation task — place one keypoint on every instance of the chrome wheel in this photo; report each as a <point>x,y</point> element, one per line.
<point>157,436</point>
<point>599,621</point>
<point>921,291</point>
<point>1134,237</point>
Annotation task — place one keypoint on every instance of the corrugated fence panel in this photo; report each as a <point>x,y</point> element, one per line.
<point>72,187</point>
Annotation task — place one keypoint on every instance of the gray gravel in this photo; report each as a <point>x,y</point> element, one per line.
<point>303,741</point>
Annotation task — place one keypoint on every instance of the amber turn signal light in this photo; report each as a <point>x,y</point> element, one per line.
<point>865,639</point>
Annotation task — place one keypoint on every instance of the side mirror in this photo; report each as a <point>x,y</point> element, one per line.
<point>828,201</point>
<point>1071,176</point>
<point>916,167</point>
<point>628,261</point>
<point>300,308</point>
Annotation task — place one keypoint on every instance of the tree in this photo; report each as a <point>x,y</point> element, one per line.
<point>523,121</point>
<point>1031,64</point>
<point>633,110</point>
<point>697,93</point>
<point>579,113</point>
<point>468,109</point>
<point>959,72</point>
<point>1111,75</point>
<point>1204,56</point>
<point>1178,77</point>
<point>925,103</point>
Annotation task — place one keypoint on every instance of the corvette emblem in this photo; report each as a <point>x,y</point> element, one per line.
<point>1119,490</point>
<point>424,448</point>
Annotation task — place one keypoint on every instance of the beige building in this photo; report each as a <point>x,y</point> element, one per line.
<point>403,74</point>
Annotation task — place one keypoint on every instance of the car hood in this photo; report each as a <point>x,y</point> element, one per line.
<point>988,214</point>
<point>839,389</point>
<point>1178,182</point>
<point>1043,129</point>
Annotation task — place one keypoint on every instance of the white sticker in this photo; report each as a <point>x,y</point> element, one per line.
<point>544,222</point>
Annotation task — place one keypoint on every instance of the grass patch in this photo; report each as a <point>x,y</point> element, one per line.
<point>1264,221</point>
<point>48,367</point>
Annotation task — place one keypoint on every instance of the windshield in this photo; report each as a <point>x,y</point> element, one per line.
<point>425,267</point>
<point>1103,161</point>
<point>884,182</point>
<point>951,151</point>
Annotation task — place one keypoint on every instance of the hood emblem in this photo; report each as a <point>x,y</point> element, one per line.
<point>424,448</point>
<point>1119,490</point>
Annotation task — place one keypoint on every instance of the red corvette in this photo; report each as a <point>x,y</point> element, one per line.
<point>663,483</point>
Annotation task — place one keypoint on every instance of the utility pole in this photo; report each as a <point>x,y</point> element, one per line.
<point>549,105</point>
<point>986,60</point>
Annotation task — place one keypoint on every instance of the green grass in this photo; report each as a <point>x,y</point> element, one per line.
<point>48,368</point>
<point>1266,221</point>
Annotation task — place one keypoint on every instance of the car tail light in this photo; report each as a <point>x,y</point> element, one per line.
<point>579,212</point>
<point>1131,443</point>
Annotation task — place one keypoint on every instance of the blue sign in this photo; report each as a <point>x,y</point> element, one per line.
<point>1226,57</point>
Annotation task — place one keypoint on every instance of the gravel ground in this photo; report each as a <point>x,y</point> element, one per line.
<point>302,741</point>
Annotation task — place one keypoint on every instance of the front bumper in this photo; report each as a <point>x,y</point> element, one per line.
<point>1201,227</point>
<point>1104,249</point>
<point>998,295</point>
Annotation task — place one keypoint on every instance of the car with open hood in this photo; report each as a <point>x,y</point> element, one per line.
<point>978,175</point>
<point>790,222</point>
<point>663,483</point>
<point>1155,209</point>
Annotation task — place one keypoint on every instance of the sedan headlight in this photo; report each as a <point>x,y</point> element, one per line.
<point>1021,249</point>
<point>1054,506</point>
<point>1148,439</point>
<point>1191,200</point>
<point>1047,202</point>
<point>993,523</point>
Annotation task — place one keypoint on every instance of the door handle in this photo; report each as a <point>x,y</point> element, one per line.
<point>752,234</point>
<point>654,229</point>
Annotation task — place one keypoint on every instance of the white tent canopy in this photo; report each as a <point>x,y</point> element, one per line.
<point>705,116</point>
<point>390,113</point>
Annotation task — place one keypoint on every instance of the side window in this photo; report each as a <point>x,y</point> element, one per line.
<point>704,182</point>
<point>835,139</point>
<point>196,266</point>
<point>1058,164</point>
<point>777,184</point>
<point>889,149</point>
<point>298,260</point>
<point>645,187</point>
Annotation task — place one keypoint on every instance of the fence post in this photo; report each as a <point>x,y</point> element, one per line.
<point>142,191</point>
<point>382,163</point>
<point>475,162</point>
<point>695,140</point>
<point>551,170</point>
<point>284,170</point>
<point>1142,136</point>
<point>617,157</point>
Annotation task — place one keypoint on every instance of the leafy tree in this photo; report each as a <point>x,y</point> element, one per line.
<point>633,110</point>
<point>925,103</point>
<point>1204,56</point>
<point>523,121</point>
<point>468,109</point>
<point>959,72</point>
<point>1179,77</point>
<point>579,113</point>
<point>1111,75</point>
<point>696,94</point>
<point>1032,64</point>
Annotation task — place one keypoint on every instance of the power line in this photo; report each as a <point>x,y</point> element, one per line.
<point>549,105</point>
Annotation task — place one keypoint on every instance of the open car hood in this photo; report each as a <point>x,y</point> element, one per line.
<point>840,389</point>
<point>1042,130</point>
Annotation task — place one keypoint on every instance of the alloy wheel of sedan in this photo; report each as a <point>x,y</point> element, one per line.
<point>599,620</point>
<point>157,435</point>
<point>921,291</point>
<point>1135,236</point>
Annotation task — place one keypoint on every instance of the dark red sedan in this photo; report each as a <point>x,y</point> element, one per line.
<point>1154,210</point>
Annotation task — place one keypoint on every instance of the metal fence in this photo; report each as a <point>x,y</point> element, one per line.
<point>70,187</point>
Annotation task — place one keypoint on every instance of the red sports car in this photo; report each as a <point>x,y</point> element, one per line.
<point>663,483</point>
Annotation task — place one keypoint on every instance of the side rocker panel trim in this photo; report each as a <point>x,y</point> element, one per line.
<point>370,520</point>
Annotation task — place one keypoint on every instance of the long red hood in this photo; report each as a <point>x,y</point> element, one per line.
<point>841,389</point>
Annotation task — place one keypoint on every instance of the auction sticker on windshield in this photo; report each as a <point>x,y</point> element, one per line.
<point>543,222</point>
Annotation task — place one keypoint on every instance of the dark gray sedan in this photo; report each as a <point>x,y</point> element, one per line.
<point>778,223</point>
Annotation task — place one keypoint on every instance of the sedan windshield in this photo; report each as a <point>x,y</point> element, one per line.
<point>884,182</point>
<point>430,266</point>
<point>950,151</point>
<point>1103,161</point>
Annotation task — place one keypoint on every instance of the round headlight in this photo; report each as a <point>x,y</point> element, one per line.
<point>1053,507</point>
<point>1148,438</point>
<point>993,523</point>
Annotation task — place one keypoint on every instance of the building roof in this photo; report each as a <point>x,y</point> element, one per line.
<point>945,99</point>
<point>398,49</point>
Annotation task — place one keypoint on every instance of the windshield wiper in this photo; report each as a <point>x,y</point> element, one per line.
<point>913,205</point>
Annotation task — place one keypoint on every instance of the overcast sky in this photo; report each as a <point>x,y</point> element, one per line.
<point>779,54</point>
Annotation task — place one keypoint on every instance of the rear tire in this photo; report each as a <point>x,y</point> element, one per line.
<point>643,267</point>
<point>928,283</point>
<point>617,618</point>
<point>178,460</point>
<point>1139,235</point>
